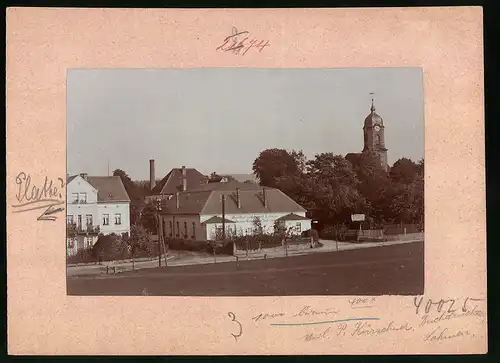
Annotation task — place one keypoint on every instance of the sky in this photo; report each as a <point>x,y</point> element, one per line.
<point>220,119</point>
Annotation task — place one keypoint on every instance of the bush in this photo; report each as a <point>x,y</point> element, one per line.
<point>109,248</point>
<point>311,233</point>
<point>335,232</point>
<point>83,256</point>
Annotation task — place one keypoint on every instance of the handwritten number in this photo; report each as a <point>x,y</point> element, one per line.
<point>233,318</point>
<point>417,305</point>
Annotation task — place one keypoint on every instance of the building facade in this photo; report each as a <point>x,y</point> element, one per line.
<point>198,214</point>
<point>95,205</point>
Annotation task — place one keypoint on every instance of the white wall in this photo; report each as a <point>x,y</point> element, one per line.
<point>97,210</point>
<point>245,222</point>
<point>80,185</point>
<point>122,208</point>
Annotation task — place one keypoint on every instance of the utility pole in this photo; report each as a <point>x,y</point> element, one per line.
<point>223,217</point>
<point>158,210</point>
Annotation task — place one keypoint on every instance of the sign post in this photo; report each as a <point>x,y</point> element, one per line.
<point>358,218</point>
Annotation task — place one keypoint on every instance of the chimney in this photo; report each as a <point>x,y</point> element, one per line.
<point>177,200</point>
<point>238,199</point>
<point>184,179</point>
<point>264,197</point>
<point>84,175</point>
<point>152,180</point>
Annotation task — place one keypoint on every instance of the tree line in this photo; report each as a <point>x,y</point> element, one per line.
<point>333,187</point>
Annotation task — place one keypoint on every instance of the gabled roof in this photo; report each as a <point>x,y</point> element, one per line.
<point>109,188</point>
<point>172,182</point>
<point>217,219</point>
<point>293,217</point>
<point>251,201</point>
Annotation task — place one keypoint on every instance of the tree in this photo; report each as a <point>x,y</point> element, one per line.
<point>139,239</point>
<point>272,164</point>
<point>404,171</point>
<point>375,185</point>
<point>333,186</point>
<point>258,228</point>
<point>148,218</point>
<point>408,201</point>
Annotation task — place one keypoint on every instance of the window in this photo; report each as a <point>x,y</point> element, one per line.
<point>194,231</point>
<point>89,242</point>
<point>70,243</point>
<point>105,219</point>
<point>298,227</point>
<point>69,219</point>
<point>74,198</point>
<point>118,218</point>
<point>79,220</point>
<point>178,229</point>
<point>185,229</point>
<point>89,219</point>
<point>83,198</point>
<point>171,228</point>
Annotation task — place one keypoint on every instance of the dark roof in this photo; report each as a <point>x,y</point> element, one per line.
<point>217,219</point>
<point>293,217</point>
<point>172,182</point>
<point>210,202</point>
<point>109,188</point>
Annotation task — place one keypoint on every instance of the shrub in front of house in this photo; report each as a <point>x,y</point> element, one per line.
<point>109,247</point>
<point>82,256</point>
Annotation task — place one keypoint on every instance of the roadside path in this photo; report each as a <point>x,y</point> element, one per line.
<point>178,258</point>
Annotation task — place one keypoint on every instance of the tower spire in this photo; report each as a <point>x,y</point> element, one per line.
<point>372,109</point>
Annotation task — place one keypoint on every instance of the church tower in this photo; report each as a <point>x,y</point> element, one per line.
<point>373,132</point>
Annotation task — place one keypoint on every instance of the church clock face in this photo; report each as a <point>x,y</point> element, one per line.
<point>377,128</point>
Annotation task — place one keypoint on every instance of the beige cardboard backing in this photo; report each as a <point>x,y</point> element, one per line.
<point>43,43</point>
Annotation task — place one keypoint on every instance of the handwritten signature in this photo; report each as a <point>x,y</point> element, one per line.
<point>31,197</point>
<point>238,43</point>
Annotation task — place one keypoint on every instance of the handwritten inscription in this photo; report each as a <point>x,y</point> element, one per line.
<point>239,42</point>
<point>359,329</point>
<point>450,305</point>
<point>368,329</point>
<point>309,311</point>
<point>428,319</point>
<point>31,197</point>
<point>360,303</point>
<point>440,334</point>
<point>316,336</point>
<point>267,316</point>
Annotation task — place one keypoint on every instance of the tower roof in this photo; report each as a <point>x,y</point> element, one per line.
<point>373,118</point>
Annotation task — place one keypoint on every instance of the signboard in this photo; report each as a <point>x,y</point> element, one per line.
<point>357,217</point>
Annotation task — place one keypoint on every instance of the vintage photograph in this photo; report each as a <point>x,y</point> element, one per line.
<point>245,182</point>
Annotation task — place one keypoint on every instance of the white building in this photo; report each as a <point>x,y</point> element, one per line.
<point>197,214</point>
<point>95,204</point>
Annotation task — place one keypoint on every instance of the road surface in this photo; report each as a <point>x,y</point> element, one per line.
<point>396,269</point>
